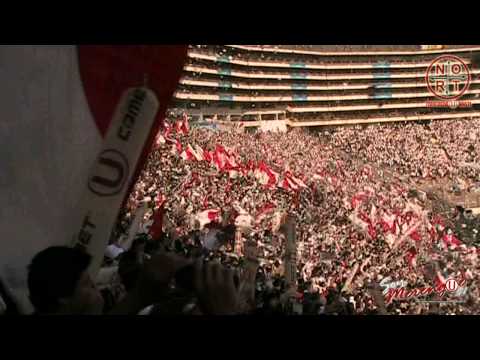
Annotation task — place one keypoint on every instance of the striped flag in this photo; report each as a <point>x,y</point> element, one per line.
<point>192,154</point>
<point>296,181</point>
<point>200,152</point>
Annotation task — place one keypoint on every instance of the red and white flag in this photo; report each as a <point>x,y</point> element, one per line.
<point>268,213</point>
<point>451,240</point>
<point>192,154</point>
<point>296,181</point>
<point>207,155</point>
<point>415,236</point>
<point>185,155</point>
<point>438,221</point>
<point>261,176</point>
<point>157,226</point>
<point>228,165</point>
<point>179,127</point>
<point>439,280</point>
<point>358,198</point>
<point>185,128</point>
<point>288,184</point>
<point>388,223</point>
<point>167,132</point>
<point>208,216</point>
<point>292,184</point>
<point>58,103</point>
<point>219,157</point>
<point>284,184</point>
<point>272,175</point>
<point>264,210</point>
<point>200,152</point>
<point>358,221</point>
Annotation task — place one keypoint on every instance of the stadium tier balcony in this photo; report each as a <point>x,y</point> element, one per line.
<point>241,55</point>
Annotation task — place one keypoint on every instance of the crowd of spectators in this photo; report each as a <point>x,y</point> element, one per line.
<point>359,223</point>
<point>441,149</point>
<point>339,264</point>
<point>355,214</point>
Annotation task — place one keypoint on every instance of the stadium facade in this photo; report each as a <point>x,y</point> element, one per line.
<point>315,85</point>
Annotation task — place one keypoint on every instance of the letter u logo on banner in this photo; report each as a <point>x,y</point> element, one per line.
<point>111,173</point>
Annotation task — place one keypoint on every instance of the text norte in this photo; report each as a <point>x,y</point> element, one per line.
<point>402,293</point>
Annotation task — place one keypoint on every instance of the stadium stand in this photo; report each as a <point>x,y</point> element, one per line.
<point>319,85</point>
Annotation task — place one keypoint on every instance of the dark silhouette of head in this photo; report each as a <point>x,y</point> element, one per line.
<point>58,282</point>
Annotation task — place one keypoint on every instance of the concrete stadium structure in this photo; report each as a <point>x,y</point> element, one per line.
<point>315,85</point>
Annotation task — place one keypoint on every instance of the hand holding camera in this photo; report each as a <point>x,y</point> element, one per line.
<point>216,288</point>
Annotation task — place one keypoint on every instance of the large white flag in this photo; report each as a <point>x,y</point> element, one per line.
<point>49,142</point>
<point>56,104</point>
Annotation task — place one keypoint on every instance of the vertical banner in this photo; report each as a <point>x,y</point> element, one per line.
<point>113,171</point>
<point>238,248</point>
<point>291,256</point>
<point>247,287</point>
<point>291,269</point>
<point>156,229</point>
